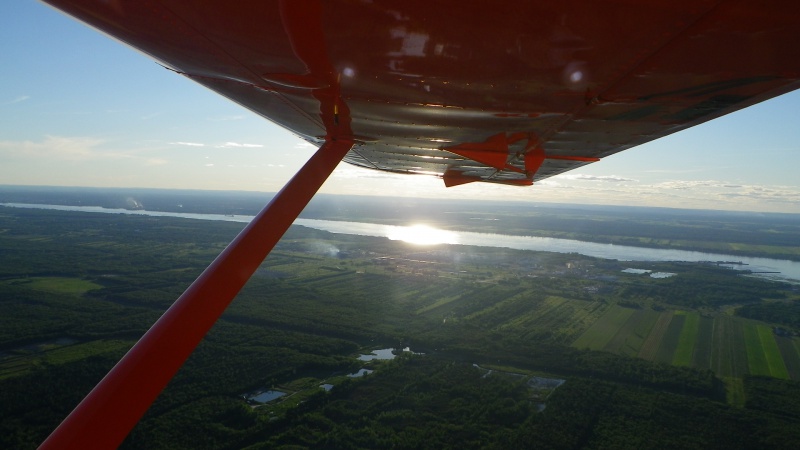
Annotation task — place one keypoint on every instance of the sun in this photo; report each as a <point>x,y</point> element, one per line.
<point>419,234</point>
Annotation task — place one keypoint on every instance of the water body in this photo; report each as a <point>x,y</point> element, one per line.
<point>662,275</point>
<point>382,354</point>
<point>360,373</point>
<point>786,270</point>
<point>650,272</point>
<point>267,396</point>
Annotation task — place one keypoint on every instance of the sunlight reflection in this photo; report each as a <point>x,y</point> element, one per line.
<point>422,235</point>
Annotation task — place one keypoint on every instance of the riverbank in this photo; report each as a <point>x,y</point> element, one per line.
<point>781,269</point>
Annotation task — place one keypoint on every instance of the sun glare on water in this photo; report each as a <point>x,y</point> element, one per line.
<point>422,235</point>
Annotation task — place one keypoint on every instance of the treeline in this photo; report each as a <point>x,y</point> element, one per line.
<point>31,406</point>
<point>430,403</point>
<point>409,403</point>
<point>779,397</point>
<point>62,243</point>
<point>784,313</point>
<point>703,286</point>
<point>470,344</point>
<point>28,317</point>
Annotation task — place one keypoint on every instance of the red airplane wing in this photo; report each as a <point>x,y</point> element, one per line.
<point>432,87</point>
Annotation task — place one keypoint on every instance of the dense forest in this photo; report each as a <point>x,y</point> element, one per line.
<point>783,313</point>
<point>482,326</point>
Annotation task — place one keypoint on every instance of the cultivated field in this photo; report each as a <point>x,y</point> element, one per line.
<point>730,346</point>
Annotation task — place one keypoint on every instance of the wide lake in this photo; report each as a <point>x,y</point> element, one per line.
<point>785,270</point>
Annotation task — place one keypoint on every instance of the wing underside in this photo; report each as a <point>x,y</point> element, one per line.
<point>511,93</point>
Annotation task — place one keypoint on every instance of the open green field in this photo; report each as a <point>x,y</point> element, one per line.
<point>764,356</point>
<point>734,391</point>
<point>59,285</point>
<point>609,325</point>
<point>790,355</point>
<point>703,343</point>
<point>630,338</point>
<point>20,361</point>
<point>756,356</point>
<point>686,341</point>
<point>669,342</point>
<point>729,346</point>
<point>653,339</point>
<point>729,356</point>
<point>777,368</point>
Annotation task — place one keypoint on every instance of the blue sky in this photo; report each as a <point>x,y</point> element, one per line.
<point>79,109</point>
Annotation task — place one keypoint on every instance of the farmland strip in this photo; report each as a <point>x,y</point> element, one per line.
<point>599,334</point>
<point>617,343</point>
<point>791,356</point>
<point>669,343</point>
<point>686,340</point>
<point>772,353</point>
<point>701,358</point>
<point>651,344</point>
<point>756,359</point>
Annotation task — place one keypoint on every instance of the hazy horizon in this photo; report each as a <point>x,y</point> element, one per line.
<point>110,117</point>
<point>455,201</point>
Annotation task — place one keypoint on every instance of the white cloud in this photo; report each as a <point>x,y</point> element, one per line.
<point>239,145</point>
<point>608,178</point>
<point>694,184</point>
<point>720,195</point>
<point>19,99</point>
<point>678,171</point>
<point>58,148</point>
<point>188,144</point>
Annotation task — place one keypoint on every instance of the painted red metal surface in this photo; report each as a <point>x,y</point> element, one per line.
<point>106,416</point>
<point>588,78</point>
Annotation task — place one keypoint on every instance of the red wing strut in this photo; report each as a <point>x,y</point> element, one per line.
<point>105,417</point>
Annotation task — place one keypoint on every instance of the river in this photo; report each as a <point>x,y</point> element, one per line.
<point>786,270</point>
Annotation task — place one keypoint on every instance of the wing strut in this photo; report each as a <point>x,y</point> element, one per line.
<point>105,417</point>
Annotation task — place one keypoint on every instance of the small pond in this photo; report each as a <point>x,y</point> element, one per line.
<point>384,354</point>
<point>266,396</point>
<point>661,275</point>
<point>381,354</point>
<point>652,274</point>
<point>360,373</point>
